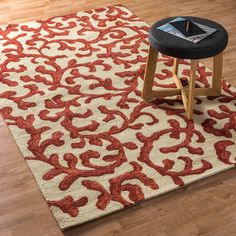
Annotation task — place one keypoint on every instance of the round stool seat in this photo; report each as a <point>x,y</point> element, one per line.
<point>180,48</point>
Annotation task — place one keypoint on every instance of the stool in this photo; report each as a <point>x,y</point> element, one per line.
<point>211,46</point>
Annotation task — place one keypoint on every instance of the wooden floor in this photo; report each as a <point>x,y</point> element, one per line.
<point>204,208</point>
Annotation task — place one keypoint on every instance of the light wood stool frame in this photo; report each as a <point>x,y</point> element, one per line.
<point>187,94</point>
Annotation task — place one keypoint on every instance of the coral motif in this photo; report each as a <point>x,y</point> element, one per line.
<point>116,187</point>
<point>68,205</point>
<point>226,113</point>
<point>70,92</point>
<point>221,152</point>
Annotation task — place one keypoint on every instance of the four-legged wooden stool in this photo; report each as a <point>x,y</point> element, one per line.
<point>170,45</point>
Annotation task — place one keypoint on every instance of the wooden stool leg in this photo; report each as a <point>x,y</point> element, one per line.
<point>217,73</point>
<point>176,66</point>
<point>191,88</point>
<point>149,72</point>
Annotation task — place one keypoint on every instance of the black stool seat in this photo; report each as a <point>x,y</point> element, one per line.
<point>180,48</point>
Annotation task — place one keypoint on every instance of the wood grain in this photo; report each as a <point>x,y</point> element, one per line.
<point>191,88</point>
<point>183,91</point>
<point>204,208</point>
<point>217,72</point>
<point>176,66</point>
<point>149,73</point>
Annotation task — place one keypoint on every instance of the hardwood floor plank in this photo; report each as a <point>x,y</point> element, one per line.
<point>21,202</point>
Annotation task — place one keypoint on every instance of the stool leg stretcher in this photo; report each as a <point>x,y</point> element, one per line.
<point>187,94</point>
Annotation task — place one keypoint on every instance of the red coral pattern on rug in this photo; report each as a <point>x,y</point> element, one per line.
<point>70,94</point>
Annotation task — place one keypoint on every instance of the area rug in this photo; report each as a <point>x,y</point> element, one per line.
<point>70,95</point>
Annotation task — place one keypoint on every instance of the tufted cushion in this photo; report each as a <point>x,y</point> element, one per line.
<point>174,46</point>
